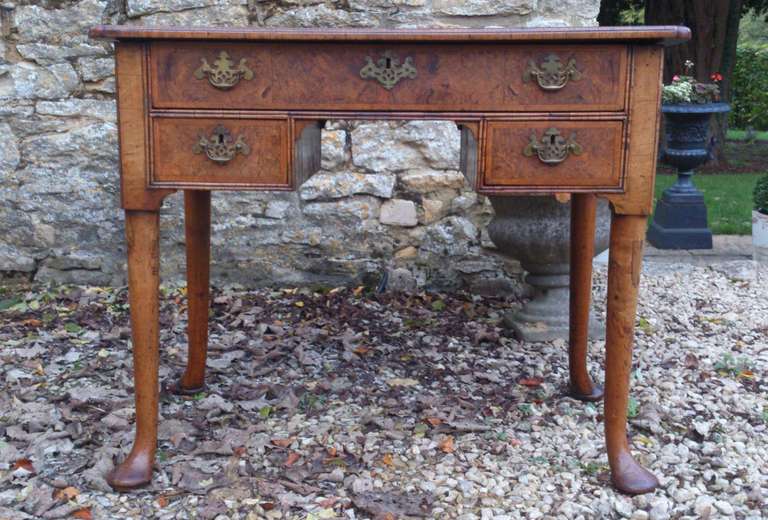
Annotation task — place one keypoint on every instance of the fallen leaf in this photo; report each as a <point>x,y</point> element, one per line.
<point>161,501</point>
<point>328,502</point>
<point>387,459</point>
<point>72,328</point>
<point>292,458</point>
<point>691,361</point>
<point>24,464</point>
<point>446,445</point>
<point>434,421</point>
<point>283,443</point>
<point>531,382</point>
<point>361,350</point>
<point>67,493</point>
<point>83,514</point>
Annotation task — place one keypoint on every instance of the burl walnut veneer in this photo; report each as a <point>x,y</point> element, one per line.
<point>541,111</point>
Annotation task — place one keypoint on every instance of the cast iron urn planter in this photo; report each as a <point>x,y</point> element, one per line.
<point>680,220</point>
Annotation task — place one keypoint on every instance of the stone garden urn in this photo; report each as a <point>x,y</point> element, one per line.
<point>536,231</point>
<point>680,219</point>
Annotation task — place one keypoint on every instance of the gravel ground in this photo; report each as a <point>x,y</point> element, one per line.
<point>343,404</point>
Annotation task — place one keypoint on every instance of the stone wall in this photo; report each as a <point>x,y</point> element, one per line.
<point>389,198</point>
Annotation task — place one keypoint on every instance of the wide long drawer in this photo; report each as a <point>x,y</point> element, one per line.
<point>402,76</point>
<point>559,155</point>
<point>220,152</point>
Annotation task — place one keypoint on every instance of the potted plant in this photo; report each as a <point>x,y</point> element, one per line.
<point>680,220</point>
<point>760,219</point>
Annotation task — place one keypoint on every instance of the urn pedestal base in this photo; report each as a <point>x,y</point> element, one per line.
<point>680,221</point>
<point>545,316</point>
<point>536,231</point>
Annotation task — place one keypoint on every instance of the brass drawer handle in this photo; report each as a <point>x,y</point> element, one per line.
<point>387,70</point>
<point>223,75</point>
<point>220,146</point>
<point>552,74</point>
<point>552,148</point>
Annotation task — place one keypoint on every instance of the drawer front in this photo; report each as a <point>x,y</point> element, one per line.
<point>361,76</point>
<point>553,154</point>
<point>220,152</point>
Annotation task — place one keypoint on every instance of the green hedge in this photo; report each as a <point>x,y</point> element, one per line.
<point>750,89</point>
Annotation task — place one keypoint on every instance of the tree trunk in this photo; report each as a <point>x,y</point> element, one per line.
<point>610,11</point>
<point>715,28</point>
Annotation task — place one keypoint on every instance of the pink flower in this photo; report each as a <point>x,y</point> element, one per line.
<point>675,78</point>
<point>716,76</point>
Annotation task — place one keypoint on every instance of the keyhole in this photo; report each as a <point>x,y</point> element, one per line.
<point>221,138</point>
<point>389,63</point>
<point>552,139</point>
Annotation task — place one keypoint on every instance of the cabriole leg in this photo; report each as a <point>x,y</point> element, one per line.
<point>197,222</point>
<point>583,208</point>
<point>142,235</point>
<point>626,252</point>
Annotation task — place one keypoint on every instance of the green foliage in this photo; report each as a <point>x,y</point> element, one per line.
<point>750,89</point>
<point>753,31</point>
<point>760,195</point>
<point>686,89</point>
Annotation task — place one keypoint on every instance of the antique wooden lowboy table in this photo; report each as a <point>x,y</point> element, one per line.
<point>541,111</point>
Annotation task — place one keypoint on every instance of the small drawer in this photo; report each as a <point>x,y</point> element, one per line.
<point>220,152</point>
<point>418,76</point>
<point>553,155</point>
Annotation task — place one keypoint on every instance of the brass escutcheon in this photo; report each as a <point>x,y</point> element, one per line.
<point>220,147</point>
<point>387,70</point>
<point>223,75</point>
<point>551,74</point>
<point>552,148</point>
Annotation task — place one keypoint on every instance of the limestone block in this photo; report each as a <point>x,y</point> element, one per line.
<point>11,259</point>
<point>46,53</point>
<point>325,185</point>
<point>30,81</point>
<point>586,9</point>
<point>137,8</point>
<point>358,208</point>
<point>399,212</point>
<point>388,146</point>
<point>74,107</point>
<point>406,253</point>
<point>464,201</point>
<point>401,280</point>
<point>278,209</point>
<point>425,181</point>
<point>334,149</point>
<point>434,210</point>
<point>451,236</point>
<point>484,7</point>
<point>68,25</point>
<point>95,69</point>
<point>214,16</point>
<point>322,15</point>
<point>365,4</point>
<point>87,147</point>
<point>9,151</point>
<point>438,141</point>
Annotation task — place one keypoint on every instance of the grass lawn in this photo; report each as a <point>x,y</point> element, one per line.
<point>728,198</point>
<point>741,135</point>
